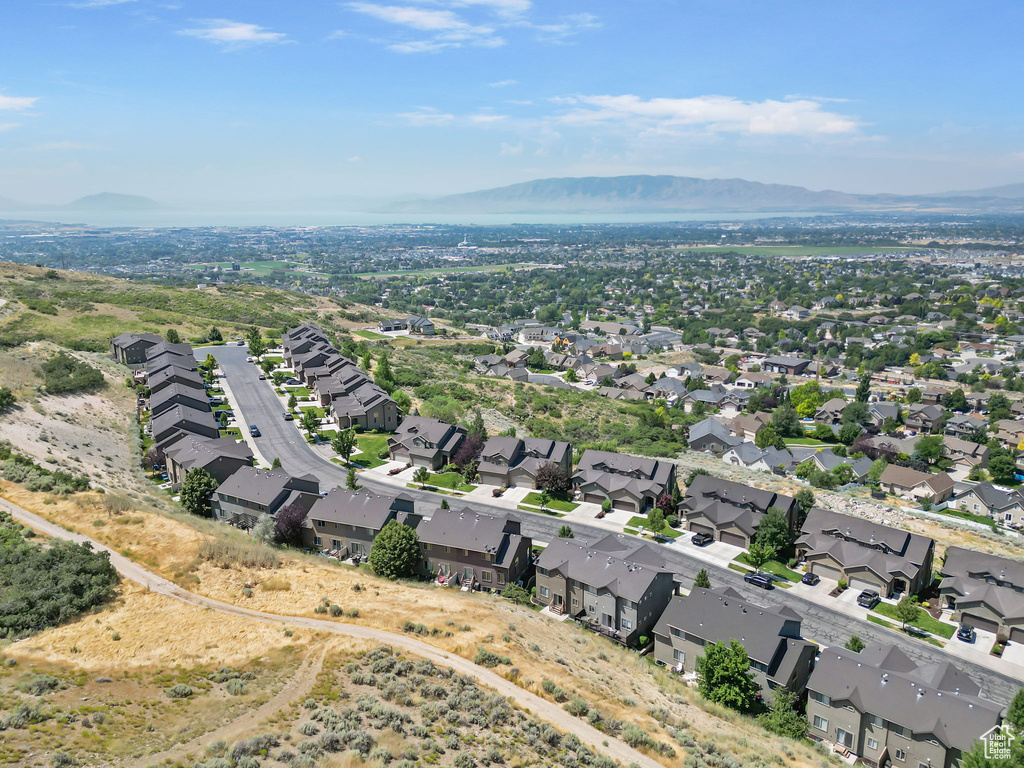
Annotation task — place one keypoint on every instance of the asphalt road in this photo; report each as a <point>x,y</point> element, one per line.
<point>257,404</point>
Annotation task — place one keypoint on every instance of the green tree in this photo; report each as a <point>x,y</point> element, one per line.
<point>856,413</point>
<point>516,594</point>
<point>344,443</point>
<point>309,422</point>
<point>476,426</point>
<point>758,554</point>
<point>1003,468</point>
<point>172,336</point>
<point>724,676</point>
<point>215,334</point>
<point>877,468</point>
<point>565,532</point>
<point>703,580</point>
<point>384,372</point>
<point>783,716</point>
<point>196,490</point>
<point>395,553</point>
<point>571,376</point>
<point>929,449</point>
<point>786,421</point>
<point>804,500</point>
<point>824,433</point>
<point>1015,714</point>
<point>421,476</point>
<point>907,610</point>
<point>956,401</point>
<point>913,396</point>
<point>6,398</point>
<point>257,346</point>
<point>656,519</point>
<point>265,529</point>
<point>855,644</point>
<point>767,436</point>
<point>863,388</point>
<point>848,433</point>
<point>292,401</point>
<point>774,531</point>
<point>544,498</point>
<point>350,480</point>
<point>275,463</point>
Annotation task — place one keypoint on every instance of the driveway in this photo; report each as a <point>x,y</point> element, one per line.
<point>823,621</point>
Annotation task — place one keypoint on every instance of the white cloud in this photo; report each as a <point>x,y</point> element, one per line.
<point>55,146</point>
<point>234,34</point>
<point>98,3</point>
<point>511,150</point>
<point>711,114</point>
<point>426,19</point>
<point>427,116</point>
<point>503,83</point>
<point>1018,155</point>
<point>8,126</point>
<point>566,26</point>
<point>17,103</point>
<point>354,159</point>
<point>486,119</point>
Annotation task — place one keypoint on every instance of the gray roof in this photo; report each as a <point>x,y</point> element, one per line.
<point>706,487</point>
<point>182,416</point>
<point>626,569</point>
<point>994,498</point>
<point>721,615</point>
<point>190,377</point>
<point>935,699</point>
<point>260,486</point>
<point>195,451</point>
<point>980,565</point>
<point>431,430</point>
<point>362,508</point>
<point>615,471</point>
<point>465,528</point>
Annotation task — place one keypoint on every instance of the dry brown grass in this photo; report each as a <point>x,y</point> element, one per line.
<point>615,681</point>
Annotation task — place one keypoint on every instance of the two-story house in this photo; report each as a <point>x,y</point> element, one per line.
<point>779,656</point>
<point>985,591</point>
<point>130,348</point>
<point>474,550</point>
<point>425,442</point>
<point>615,585</point>
<point>914,484</point>
<point>347,522</point>
<point>923,418</point>
<point>882,707</point>
<point>512,461</point>
<point>866,555</point>
<point>631,483</point>
<point>728,511</point>
<point>985,499</point>
<point>221,457</point>
<point>250,492</point>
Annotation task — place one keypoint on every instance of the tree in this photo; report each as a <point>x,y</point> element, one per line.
<point>565,532</point>
<point>196,490</point>
<point>544,498</point>
<point>758,554</point>
<point>265,529</point>
<point>476,427</point>
<point>783,717</point>
<point>172,336</point>
<point>848,433</point>
<point>275,463</point>
<point>309,422</point>
<point>384,372</point>
<point>907,610</point>
<point>289,523</point>
<point>1015,714</point>
<point>215,334</point>
<point>1003,468</point>
<point>804,500</point>
<point>856,413</point>
<point>855,644</point>
<point>767,436</point>
<point>395,553</point>
<point>913,396</point>
<point>929,449</point>
<point>703,580</point>
<point>554,478</point>
<point>877,468</point>
<point>656,519</point>
<point>516,594</point>
<point>257,346</point>
<point>774,531</point>
<point>292,401</point>
<point>421,476</point>
<point>571,376</point>
<point>724,676</point>
<point>667,504</point>
<point>863,388</point>
<point>786,421</point>
<point>956,401</point>
<point>350,480</point>
<point>344,443</point>
<point>6,398</point>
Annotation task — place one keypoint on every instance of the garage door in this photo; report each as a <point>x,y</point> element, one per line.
<point>593,498</point>
<point>735,539</point>
<point>1017,635</point>
<point>826,572</point>
<point>980,623</point>
<point>862,584</point>
<point>702,529</point>
<point>626,505</point>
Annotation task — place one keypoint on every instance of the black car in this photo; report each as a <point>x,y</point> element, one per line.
<point>966,633</point>
<point>810,579</point>
<point>263,377</point>
<point>868,599</point>
<point>702,539</point>
<point>759,580</point>
<point>288,416</point>
<point>254,430</point>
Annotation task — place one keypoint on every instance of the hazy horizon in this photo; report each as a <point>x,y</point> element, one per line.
<point>230,101</point>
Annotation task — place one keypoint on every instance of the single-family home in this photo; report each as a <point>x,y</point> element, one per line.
<point>251,492</point>
<point>912,483</point>
<point>511,461</point>
<point>631,483</point>
<point>985,591</point>
<point>712,436</point>
<point>730,512</point>
<point>474,550</point>
<point>425,442</point>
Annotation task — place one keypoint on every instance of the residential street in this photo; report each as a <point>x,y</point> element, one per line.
<point>256,403</point>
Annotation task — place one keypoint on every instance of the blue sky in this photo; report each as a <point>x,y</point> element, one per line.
<point>224,101</point>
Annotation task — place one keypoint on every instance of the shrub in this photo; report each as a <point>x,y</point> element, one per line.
<point>63,374</point>
<point>38,685</point>
<point>231,554</point>
<point>336,610</point>
<point>179,691</point>
<point>235,687</point>
<point>276,585</point>
<point>577,707</point>
<point>487,658</point>
<point>61,759</point>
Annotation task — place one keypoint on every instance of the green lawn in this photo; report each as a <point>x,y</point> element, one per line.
<point>966,516</point>
<point>231,432</point>
<point>368,462</point>
<point>773,567</point>
<point>641,522</point>
<point>452,480</point>
<point>372,444</point>
<point>562,506</point>
<point>316,409</point>
<point>522,508</point>
<point>803,441</point>
<point>370,335</point>
<point>925,622</point>
<point>896,627</point>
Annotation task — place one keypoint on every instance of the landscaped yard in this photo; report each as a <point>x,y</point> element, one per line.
<point>297,390</point>
<point>641,522</point>
<point>316,409</point>
<point>562,506</point>
<point>551,512</point>
<point>372,444</point>
<point>370,335</point>
<point>773,567</point>
<point>924,622</point>
<point>452,480</point>
<point>803,441</point>
<point>951,512</point>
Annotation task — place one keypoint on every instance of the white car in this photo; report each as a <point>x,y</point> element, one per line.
<point>249,359</point>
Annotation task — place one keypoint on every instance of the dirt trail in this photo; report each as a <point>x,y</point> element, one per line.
<point>541,708</point>
<point>302,682</point>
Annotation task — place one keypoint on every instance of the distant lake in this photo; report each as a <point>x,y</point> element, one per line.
<point>175,218</point>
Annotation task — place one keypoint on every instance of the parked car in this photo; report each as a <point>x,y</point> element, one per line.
<point>288,416</point>
<point>254,430</point>
<point>292,381</point>
<point>241,343</point>
<point>759,580</point>
<point>702,539</point>
<point>966,633</point>
<point>263,377</point>
<point>868,599</point>
<point>810,579</point>
<point>249,359</point>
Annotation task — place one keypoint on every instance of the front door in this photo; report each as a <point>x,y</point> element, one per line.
<point>844,737</point>
<point>606,620</point>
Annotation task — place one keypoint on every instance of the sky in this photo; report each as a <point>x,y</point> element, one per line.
<point>224,102</point>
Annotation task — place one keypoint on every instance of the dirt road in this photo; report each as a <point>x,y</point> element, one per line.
<point>541,708</point>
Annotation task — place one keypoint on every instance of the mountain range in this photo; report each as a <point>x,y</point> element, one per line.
<point>104,201</point>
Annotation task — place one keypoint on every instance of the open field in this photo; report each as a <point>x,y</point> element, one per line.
<point>447,270</point>
<point>794,250</point>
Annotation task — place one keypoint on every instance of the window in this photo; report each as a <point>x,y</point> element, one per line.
<point>876,721</point>
<point>872,743</point>
<point>923,765</point>
<point>899,730</point>
<point>319,542</point>
<point>501,577</point>
<point>899,754</point>
<point>675,632</point>
<point>821,698</point>
<point>627,624</point>
<point>820,723</point>
<point>485,575</point>
<point>542,571</point>
<point>679,656</point>
<point>844,737</point>
<point>487,557</point>
<point>544,592</point>
<point>575,602</point>
<point>426,547</point>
